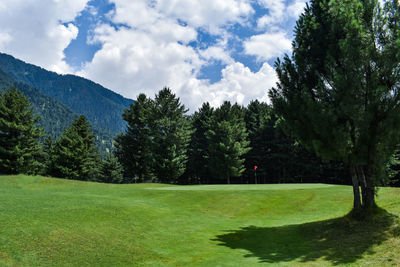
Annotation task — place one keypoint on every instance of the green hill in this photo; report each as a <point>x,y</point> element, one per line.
<point>101,106</point>
<point>55,222</point>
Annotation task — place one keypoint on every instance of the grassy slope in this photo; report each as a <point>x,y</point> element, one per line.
<point>53,222</point>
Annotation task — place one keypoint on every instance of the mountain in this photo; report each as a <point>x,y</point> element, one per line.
<point>59,99</point>
<point>54,116</point>
<point>101,106</point>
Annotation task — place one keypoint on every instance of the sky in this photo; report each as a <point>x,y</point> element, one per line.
<point>203,50</point>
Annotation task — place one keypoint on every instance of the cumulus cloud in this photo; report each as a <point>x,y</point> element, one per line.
<point>296,8</point>
<point>268,45</point>
<point>150,51</point>
<point>238,84</point>
<point>39,31</point>
<point>148,44</point>
<point>276,9</point>
<point>132,62</point>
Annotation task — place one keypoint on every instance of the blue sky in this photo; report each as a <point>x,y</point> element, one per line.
<point>204,50</point>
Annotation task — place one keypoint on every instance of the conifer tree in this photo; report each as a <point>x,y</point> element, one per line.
<point>227,142</point>
<point>338,93</point>
<point>111,170</point>
<point>197,166</point>
<point>134,147</point>
<point>74,155</point>
<point>257,118</point>
<point>171,133</point>
<point>19,146</point>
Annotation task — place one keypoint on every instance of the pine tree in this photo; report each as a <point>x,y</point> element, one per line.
<point>338,93</point>
<point>197,167</point>
<point>134,147</point>
<point>227,142</point>
<point>111,170</point>
<point>171,133</point>
<point>74,155</point>
<point>257,118</point>
<point>19,146</point>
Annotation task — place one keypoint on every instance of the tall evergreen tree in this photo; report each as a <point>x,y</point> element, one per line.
<point>257,117</point>
<point>134,147</point>
<point>74,155</point>
<point>171,136</point>
<point>339,92</point>
<point>197,166</point>
<point>227,142</point>
<point>19,146</point>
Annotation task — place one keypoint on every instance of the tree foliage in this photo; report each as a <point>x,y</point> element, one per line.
<point>134,148</point>
<point>19,146</point>
<point>156,140</point>
<point>111,170</point>
<point>227,142</point>
<point>338,92</point>
<point>74,155</point>
<point>198,157</point>
<point>171,136</point>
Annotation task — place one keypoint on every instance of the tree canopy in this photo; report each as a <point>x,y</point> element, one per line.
<point>74,155</point>
<point>19,146</point>
<point>338,93</point>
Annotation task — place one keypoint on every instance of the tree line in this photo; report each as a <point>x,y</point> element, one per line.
<point>162,143</point>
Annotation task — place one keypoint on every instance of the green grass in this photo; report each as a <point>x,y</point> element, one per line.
<point>55,222</point>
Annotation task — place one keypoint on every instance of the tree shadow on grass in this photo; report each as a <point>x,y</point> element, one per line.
<point>339,241</point>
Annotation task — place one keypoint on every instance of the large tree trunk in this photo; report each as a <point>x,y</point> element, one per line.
<point>369,193</point>
<point>228,179</point>
<point>362,181</point>
<point>356,189</point>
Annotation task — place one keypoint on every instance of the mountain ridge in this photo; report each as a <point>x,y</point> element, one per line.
<point>100,105</point>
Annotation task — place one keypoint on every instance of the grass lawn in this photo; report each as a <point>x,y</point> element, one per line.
<point>55,222</point>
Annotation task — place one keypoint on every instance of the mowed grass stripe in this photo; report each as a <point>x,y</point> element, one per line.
<point>56,222</point>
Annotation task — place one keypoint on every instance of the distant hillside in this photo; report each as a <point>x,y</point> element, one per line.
<point>101,106</point>
<point>55,117</point>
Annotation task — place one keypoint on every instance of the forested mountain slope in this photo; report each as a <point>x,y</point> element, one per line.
<point>55,117</point>
<point>101,106</point>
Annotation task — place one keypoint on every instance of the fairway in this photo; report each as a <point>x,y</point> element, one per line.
<point>244,187</point>
<point>56,222</point>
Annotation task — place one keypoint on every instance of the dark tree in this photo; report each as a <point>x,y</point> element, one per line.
<point>197,167</point>
<point>227,142</point>
<point>111,170</point>
<point>19,146</point>
<point>134,148</point>
<point>339,91</point>
<point>47,149</point>
<point>257,118</point>
<point>74,155</point>
<point>171,133</point>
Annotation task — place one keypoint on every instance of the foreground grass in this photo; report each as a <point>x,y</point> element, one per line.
<point>54,222</point>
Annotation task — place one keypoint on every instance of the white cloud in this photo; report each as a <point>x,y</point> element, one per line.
<point>275,15</point>
<point>151,51</point>
<point>207,14</point>
<point>34,31</point>
<point>132,62</point>
<point>238,84</point>
<point>296,8</point>
<point>268,45</point>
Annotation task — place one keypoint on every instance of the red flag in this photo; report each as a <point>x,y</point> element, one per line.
<point>255,167</point>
